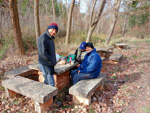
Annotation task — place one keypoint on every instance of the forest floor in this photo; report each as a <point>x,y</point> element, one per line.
<point>126,90</point>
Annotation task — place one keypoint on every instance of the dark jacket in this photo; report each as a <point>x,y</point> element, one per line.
<point>46,49</point>
<point>79,55</point>
<point>91,64</point>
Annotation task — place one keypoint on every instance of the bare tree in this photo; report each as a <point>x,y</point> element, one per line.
<point>79,18</point>
<point>16,26</point>
<point>113,21</point>
<point>1,23</point>
<point>54,14</point>
<point>69,21</point>
<point>124,26</point>
<point>94,19</point>
<point>36,18</point>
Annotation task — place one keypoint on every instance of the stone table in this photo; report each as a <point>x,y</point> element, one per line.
<point>61,74</point>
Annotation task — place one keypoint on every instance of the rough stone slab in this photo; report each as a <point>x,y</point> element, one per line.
<point>37,91</point>
<point>116,57</point>
<point>101,49</point>
<point>85,88</point>
<point>24,70</point>
<point>79,100</point>
<point>59,69</point>
<point>121,45</point>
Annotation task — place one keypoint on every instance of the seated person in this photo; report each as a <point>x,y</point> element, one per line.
<point>80,53</point>
<point>90,67</point>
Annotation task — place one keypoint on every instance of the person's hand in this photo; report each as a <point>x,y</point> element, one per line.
<point>78,71</point>
<point>78,65</point>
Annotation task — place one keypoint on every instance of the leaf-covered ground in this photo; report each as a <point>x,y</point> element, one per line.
<point>126,90</point>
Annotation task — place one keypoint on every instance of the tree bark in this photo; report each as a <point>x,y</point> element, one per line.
<point>79,19</point>
<point>36,18</point>
<point>95,20</point>
<point>16,26</point>
<point>0,24</point>
<point>54,14</point>
<point>114,19</point>
<point>124,26</point>
<point>69,22</point>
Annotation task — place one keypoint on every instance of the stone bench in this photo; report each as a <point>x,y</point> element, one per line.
<point>116,57</point>
<point>83,90</point>
<point>40,93</point>
<point>21,71</point>
<point>121,45</point>
<point>61,74</point>
<point>104,52</point>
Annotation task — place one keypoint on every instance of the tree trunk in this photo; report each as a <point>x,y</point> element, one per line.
<point>111,31</point>
<point>90,32</point>
<point>54,14</point>
<point>95,20</point>
<point>16,26</point>
<point>36,18</point>
<point>79,19</point>
<point>67,8</point>
<point>124,26</point>
<point>114,19</point>
<point>69,22</point>
<point>0,24</point>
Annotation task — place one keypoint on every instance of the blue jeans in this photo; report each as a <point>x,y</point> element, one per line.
<point>48,72</point>
<point>76,77</point>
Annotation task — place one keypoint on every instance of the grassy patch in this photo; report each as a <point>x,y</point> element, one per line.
<point>114,77</point>
<point>134,56</point>
<point>91,110</point>
<point>147,110</point>
<point>112,81</point>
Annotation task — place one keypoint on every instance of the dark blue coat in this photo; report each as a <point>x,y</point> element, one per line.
<point>91,64</point>
<point>46,49</point>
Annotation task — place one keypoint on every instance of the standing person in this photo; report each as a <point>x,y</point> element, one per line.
<point>80,53</point>
<point>47,55</point>
<point>90,67</point>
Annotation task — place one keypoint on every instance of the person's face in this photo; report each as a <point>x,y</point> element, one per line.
<point>52,31</point>
<point>82,49</point>
<point>88,49</point>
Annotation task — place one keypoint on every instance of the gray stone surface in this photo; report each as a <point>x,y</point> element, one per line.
<point>101,49</point>
<point>19,72</point>
<point>85,88</point>
<point>116,57</point>
<point>29,69</point>
<point>36,90</point>
<point>59,68</point>
<point>123,45</point>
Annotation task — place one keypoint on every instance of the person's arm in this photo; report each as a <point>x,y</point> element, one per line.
<point>94,63</point>
<point>47,54</point>
<point>76,55</point>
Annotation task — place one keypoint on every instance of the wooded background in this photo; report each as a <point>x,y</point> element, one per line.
<point>22,21</point>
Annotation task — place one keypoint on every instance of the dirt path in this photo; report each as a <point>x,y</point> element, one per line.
<point>127,89</point>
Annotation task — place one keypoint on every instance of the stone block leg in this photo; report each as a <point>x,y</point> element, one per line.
<point>41,108</point>
<point>100,87</point>
<point>79,100</point>
<point>10,93</point>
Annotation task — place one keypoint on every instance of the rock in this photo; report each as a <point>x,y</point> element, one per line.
<point>100,98</point>
<point>60,104</point>
<point>94,98</point>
